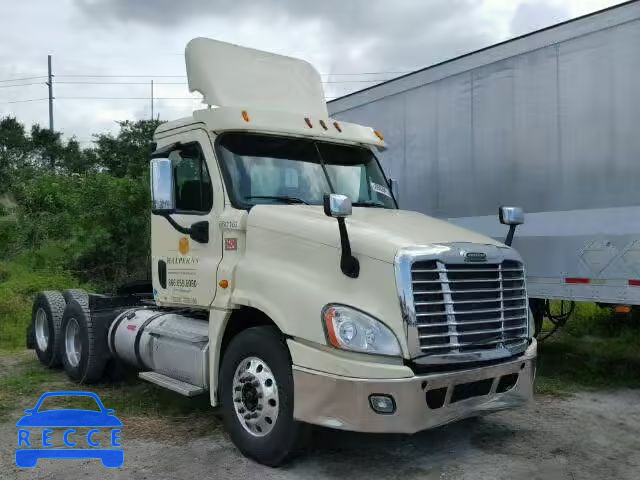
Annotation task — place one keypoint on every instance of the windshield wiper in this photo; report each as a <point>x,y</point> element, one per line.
<point>369,203</point>
<point>277,197</point>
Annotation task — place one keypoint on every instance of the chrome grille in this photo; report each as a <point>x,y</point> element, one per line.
<point>469,307</point>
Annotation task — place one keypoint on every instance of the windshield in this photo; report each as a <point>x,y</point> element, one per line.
<point>263,169</point>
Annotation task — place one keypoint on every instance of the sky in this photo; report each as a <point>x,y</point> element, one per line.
<point>106,52</point>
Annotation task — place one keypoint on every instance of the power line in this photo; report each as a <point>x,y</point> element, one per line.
<point>26,100</point>
<point>21,79</point>
<point>184,83</point>
<point>184,76</point>
<point>21,85</point>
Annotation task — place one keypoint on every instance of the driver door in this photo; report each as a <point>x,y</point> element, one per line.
<point>184,269</point>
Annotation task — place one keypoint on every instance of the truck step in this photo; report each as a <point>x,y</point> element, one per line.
<point>178,386</point>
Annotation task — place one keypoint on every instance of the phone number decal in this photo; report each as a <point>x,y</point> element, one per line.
<point>183,282</point>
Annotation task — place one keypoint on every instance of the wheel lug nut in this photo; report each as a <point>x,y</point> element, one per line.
<point>237,399</point>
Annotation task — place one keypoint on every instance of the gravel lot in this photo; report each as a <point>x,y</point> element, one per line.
<point>585,436</point>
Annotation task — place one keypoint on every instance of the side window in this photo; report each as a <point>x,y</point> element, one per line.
<point>193,184</point>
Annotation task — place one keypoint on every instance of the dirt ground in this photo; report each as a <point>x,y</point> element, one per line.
<point>584,436</point>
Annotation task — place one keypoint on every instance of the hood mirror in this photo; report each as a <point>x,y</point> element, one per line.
<point>337,206</point>
<point>512,216</point>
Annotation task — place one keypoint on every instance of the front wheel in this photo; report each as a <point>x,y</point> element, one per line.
<point>257,397</point>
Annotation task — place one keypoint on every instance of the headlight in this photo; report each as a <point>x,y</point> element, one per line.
<point>350,329</point>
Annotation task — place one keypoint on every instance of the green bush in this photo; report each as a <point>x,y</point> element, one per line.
<point>18,285</point>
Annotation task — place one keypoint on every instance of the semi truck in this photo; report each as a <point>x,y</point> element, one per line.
<point>546,121</point>
<point>286,283</point>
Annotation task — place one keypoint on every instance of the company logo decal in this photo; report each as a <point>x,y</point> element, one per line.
<point>91,433</point>
<point>183,245</point>
<point>475,257</point>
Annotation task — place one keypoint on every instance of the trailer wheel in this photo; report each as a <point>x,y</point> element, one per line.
<point>46,321</point>
<point>84,348</point>
<point>257,397</point>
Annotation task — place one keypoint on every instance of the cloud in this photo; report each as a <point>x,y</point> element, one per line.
<point>534,15</point>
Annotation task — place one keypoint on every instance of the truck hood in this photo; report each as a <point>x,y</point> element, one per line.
<point>374,232</point>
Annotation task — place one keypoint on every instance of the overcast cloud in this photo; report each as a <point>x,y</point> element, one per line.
<point>131,37</point>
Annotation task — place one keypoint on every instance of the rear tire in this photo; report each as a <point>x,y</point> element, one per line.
<point>265,390</point>
<point>85,351</point>
<point>75,294</point>
<point>46,322</point>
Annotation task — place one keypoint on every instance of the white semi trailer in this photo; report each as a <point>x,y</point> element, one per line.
<point>547,121</point>
<point>289,287</point>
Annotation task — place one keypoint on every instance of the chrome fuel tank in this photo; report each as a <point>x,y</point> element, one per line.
<point>163,341</point>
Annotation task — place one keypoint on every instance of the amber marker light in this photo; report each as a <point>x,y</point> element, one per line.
<point>379,135</point>
<point>338,127</point>
<point>328,321</point>
<point>245,116</point>
<point>308,122</point>
<point>323,125</point>
<point>223,283</point>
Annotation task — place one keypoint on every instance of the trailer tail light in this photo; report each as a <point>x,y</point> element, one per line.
<point>622,309</point>
<point>308,122</point>
<point>245,116</point>
<point>577,280</point>
<point>634,283</point>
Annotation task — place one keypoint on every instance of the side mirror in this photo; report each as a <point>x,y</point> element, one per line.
<point>394,187</point>
<point>337,206</point>
<point>511,215</point>
<point>162,186</point>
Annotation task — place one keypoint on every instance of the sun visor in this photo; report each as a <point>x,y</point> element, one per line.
<point>228,75</point>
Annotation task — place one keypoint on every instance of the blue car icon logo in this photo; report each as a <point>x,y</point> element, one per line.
<point>35,433</point>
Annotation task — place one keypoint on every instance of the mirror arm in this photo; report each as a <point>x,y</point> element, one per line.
<point>176,225</point>
<point>509,240</point>
<point>199,231</point>
<point>348,263</point>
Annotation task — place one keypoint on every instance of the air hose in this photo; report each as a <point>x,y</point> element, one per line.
<point>558,320</point>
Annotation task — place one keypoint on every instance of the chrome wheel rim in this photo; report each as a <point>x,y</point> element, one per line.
<point>255,396</point>
<point>72,344</point>
<point>42,330</point>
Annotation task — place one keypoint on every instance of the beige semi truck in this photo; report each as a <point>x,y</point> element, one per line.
<point>288,286</point>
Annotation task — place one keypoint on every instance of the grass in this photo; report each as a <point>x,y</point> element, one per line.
<point>23,379</point>
<point>596,349</point>
<point>18,285</point>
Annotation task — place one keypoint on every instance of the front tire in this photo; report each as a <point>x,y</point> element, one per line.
<point>257,397</point>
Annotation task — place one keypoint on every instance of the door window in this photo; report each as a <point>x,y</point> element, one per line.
<point>192,182</point>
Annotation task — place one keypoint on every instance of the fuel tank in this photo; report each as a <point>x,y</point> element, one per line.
<point>163,341</point>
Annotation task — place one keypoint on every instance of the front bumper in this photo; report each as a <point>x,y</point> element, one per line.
<point>421,402</point>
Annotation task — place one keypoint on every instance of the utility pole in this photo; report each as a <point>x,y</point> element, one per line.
<point>50,83</point>
<point>151,99</point>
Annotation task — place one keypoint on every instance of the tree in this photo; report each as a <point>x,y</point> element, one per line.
<point>127,153</point>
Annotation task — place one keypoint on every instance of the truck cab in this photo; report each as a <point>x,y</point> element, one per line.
<point>289,286</point>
